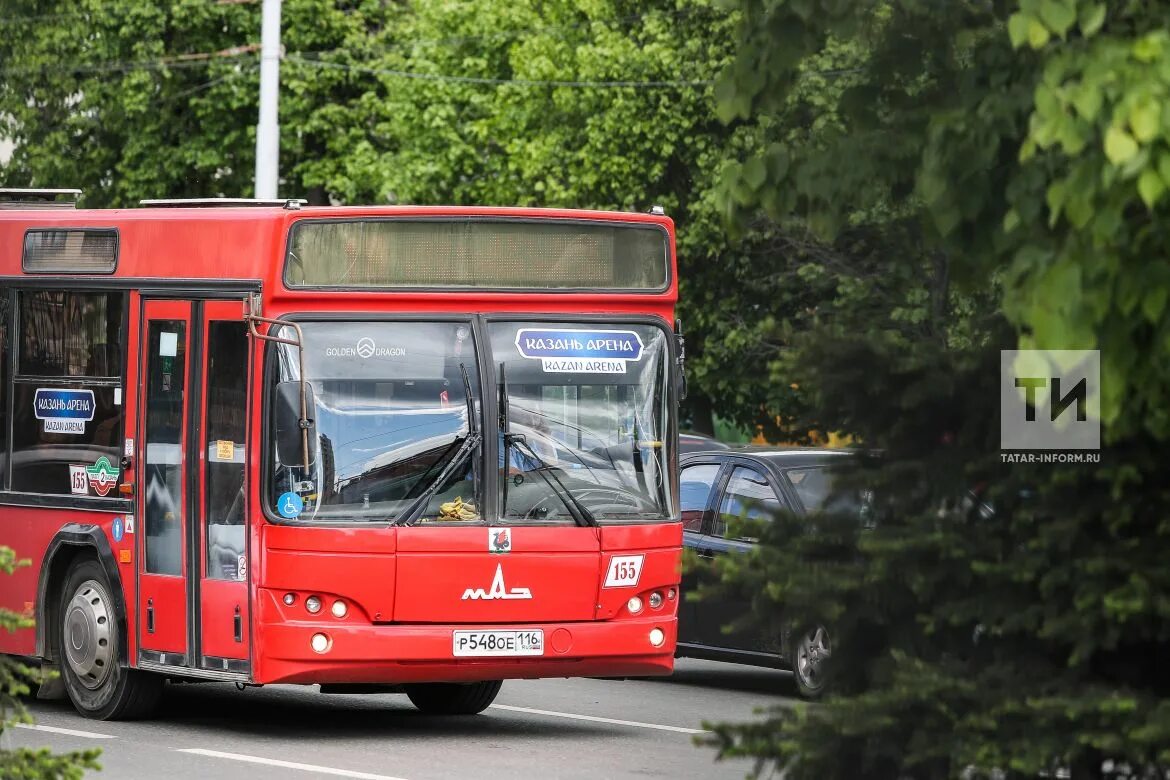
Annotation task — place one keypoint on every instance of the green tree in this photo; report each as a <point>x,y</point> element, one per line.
<point>15,681</point>
<point>1005,158</point>
<point>577,104</point>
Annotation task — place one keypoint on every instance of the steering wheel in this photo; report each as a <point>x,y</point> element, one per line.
<point>618,497</point>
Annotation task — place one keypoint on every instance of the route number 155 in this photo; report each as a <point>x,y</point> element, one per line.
<point>624,570</point>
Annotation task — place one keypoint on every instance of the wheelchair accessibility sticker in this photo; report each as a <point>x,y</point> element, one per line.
<point>290,505</point>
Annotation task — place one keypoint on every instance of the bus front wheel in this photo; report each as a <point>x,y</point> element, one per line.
<point>88,644</point>
<point>453,698</point>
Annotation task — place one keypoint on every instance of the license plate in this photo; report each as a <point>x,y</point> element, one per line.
<point>497,643</point>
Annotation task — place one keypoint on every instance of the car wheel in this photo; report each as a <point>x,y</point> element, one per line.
<point>88,645</point>
<point>453,698</point>
<point>810,662</point>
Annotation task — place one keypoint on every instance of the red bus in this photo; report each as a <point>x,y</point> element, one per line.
<point>404,449</point>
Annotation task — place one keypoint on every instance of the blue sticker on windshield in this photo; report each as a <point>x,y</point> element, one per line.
<point>580,351</point>
<point>289,505</point>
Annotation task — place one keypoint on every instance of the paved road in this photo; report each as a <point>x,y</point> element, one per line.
<point>539,728</point>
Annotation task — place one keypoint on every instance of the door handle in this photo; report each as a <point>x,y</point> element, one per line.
<point>150,616</point>
<point>238,625</point>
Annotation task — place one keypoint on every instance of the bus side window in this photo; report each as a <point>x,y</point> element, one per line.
<point>227,402</point>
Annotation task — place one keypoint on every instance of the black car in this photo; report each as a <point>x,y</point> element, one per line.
<point>752,483</point>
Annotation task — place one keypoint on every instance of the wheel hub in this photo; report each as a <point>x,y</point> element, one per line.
<point>88,649</point>
<point>811,656</point>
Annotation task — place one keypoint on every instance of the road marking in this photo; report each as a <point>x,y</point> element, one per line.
<point>67,732</point>
<point>324,770</point>
<point>595,719</point>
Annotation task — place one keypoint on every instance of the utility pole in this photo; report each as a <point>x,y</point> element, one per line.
<point>268,129</point>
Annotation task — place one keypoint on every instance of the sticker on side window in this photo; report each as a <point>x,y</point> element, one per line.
<point>624,571</point>
<point>564,351</point>
<point>62,410</point>
<point>78,480</point>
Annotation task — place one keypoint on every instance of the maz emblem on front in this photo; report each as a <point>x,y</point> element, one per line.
<point>498,591</point>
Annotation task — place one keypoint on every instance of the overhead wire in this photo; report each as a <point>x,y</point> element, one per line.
<point>190,60</point>
<point>583,84</point>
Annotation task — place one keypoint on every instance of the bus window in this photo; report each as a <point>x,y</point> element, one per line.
<point>391,410</point>
<point>166,385</point>
<point>227,404</point>
<point>67,392</point>
<point>591,404</point>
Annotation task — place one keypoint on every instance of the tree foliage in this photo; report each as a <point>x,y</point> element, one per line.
<point>1004,159</point>
<point>15,681</point>
<point>589,104</point>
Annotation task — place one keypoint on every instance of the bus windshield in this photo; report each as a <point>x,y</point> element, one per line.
<point>587,419</point>
<point>391,410</point>
<point>586,412</point>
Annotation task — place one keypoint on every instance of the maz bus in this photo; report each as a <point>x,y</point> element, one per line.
<point>401,449</point>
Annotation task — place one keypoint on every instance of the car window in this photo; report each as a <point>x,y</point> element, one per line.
<point>814,488</point>
<point>695,486</point>
<point>748,496</point>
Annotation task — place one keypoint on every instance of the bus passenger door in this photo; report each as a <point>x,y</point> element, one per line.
<point>162,482</point>
<point>223,561</point>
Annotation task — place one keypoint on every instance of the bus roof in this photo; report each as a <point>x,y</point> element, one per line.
<point>249,242</point>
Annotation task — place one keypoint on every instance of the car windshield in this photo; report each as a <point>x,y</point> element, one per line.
<point>391,411</point>
<point>588,411</point>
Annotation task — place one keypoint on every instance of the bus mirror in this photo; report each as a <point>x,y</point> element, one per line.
<point>290,429</point>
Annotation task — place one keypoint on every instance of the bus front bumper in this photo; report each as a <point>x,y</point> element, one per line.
<point>398,653</point>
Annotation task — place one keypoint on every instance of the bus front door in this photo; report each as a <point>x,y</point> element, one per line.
<point>193,568</point>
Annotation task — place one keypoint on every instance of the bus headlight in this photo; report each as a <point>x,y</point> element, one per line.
<point>657,637</point>
<point>634,605</point>
<point>313,604</point>
<point>339,609</point>
<point>655,600</point>
<point>320,643</point>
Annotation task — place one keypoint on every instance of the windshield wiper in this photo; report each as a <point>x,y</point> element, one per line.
<point>474,437</point>
<point>415,509</point>
<point>580,512</point>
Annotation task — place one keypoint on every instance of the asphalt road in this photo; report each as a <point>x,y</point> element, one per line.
<point>581,728</point>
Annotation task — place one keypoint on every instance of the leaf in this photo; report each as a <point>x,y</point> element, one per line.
<point>1011,220</point>
<point>755,173</point>
<point>1119,145</point>
<point>1059,16</point>
<point>1092,17</point>
<point>1148,48</point>
<point>1150,187</point>
<point>1154,302</point>
<point>1087,101</point>
<point>1018,24</point>
<point>1038,34</point>
<point>1164,167</point>
<point>1057,191</point>
<point>1145,119</point>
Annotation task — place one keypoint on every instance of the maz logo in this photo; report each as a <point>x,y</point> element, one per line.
<point>497,591</point>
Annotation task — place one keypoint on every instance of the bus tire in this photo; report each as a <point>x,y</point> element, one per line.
<point>453,698</point>
<point>87,651</point>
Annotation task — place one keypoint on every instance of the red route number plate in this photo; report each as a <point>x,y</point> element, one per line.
<point>497,643</point>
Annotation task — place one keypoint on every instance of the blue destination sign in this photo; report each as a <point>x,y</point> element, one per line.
<point>581,344</point>
<point>63,411</point>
